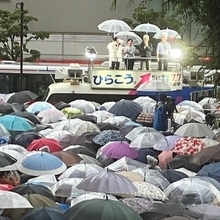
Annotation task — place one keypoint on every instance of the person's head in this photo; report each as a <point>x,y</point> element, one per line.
<point>163,97</point>
<point>3,174</point>
<point>129,42</point>
<point>115,39</point>
<point>163,37</point>
<point>146,37</point>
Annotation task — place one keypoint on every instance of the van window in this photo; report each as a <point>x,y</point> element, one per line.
<point>100,98</point>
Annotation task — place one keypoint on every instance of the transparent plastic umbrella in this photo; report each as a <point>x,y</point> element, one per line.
<point>125,35</point>
<point>171,34</point>
<point>147,27</point>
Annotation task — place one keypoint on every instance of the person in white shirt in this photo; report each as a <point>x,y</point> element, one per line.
<point>163,52</point>
<point>115,54</point>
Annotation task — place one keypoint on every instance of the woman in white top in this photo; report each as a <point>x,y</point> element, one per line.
<point>129,54</point>
<point>115,54</point>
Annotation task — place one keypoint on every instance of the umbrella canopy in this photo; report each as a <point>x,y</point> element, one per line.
<point>15,147</point>
<point>188,145</point>
<point>196,130</point>
<point>78,149</point>
<point>173,175</point>
<point>24,139</point>
<point>69,158</point>
<point>146,102</point>
<point>22,97</point>
<point>30,188</point>
<point>147,27</point>
<point>189,115</point>
<point>139,205</point>
<point>51,115</point>
<point>16,123</point>
<point>88,159</point>
<point>6,159</point>
<point>204,212</point>
<point>76,126</point>
<point>127,108</point>
<point>148,190</point>
<point>106,106</point>
<point>147,140</point>
<point>191,105</point>
<point>211,170</point>
<point>4,132</point>
<point>117,120</point>
<point>30,116</point>
<point>6,108</point>
<point>39,106</point>
<point>107,182</point>
<point>13,201</point>
<point>83,105</point>
<point>119,149</point>
<point>192,191</point>
<point>42,163</point>
<point>102,115</point>
<point>162,210</point>
<point>49,213</point>
<point>171,34</point>
<point>125,35</point>
<point>113,26</point>
<point>80,171</point>
<point>61,105</point>
<point>209,142</point>
<point>107,136</point>
<point>67,188</point>
<point>38,201</point>
<point>107,126</point>
<point>88,117</point>
<point>156,85</point>
<point>71,113</point>
<point>38,144</point>
<point>207,103</point>
<point>99,209</point>
<point>90,196</point>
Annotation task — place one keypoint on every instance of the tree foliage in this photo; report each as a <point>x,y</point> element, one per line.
<point>10,26</point>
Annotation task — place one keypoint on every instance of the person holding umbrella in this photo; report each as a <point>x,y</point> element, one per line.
<point>129,54</point>
<point>145,50</point>
<point>163,52</point>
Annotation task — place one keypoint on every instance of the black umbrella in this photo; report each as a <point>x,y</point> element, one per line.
<point>22,97</point>
<point>6,159</point>
<point>107,126</point>
<point>19,107</point>
<point>126,129</point>
<point>30,188</point>
<point>158,211</point>
<point>173,175</point>
<point>89,143</point>
<point>82,150</point>
<point>41,127</point>
<point>89,118</point>
<point>6,108</point>
<point>127,108</point>
<point>143,152</point>
<point>31,117</point>
<point>61,105</point>
<point>24,139</point>
<point>105,161</point>
<point>44,213</point>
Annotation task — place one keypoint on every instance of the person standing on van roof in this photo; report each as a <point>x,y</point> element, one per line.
<point>115,54</point>
<point>163,52</point>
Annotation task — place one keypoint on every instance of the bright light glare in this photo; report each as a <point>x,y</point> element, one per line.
<point>176,54</point>
<point>90,55</point>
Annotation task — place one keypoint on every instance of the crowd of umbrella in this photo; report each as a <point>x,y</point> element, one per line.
<point>83,160</point>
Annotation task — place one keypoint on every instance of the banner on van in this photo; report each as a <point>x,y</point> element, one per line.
<point>125,79</point>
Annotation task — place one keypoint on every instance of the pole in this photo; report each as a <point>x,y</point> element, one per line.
<point>21,7</point>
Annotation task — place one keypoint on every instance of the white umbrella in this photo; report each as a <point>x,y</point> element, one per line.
<point>102,115</point>
<point>156,85</point>
<point>207,102</point>
<point>80,171</point>
<point>146,102</point>
<point>190,104</point>
<point>209,142</point>
<point>195,130</point>
<point>171,34</point>
<point>12,200</point>
<point>89,196</point>
<point>106,105</point>
<point>47,180</point>
<point>148,28</point>
<point>117,120</point>
<point>181,108</point>
<point>83,105</point>
<point>113,26</point>
<point>125,35</point>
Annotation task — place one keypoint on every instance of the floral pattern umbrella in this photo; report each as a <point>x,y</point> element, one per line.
<point>188,146</point>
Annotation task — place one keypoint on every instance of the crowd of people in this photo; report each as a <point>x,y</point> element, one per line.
<point>118,52</point>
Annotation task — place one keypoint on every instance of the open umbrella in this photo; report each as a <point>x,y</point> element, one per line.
<point>6,159</point>
<point>4,132</point>
<point>37,107</point>
<point>37,144</point>
<point>78,149</point>
<point>22,97</point>
<point>42,163</point>
<point>6,108</point>
<point>127,108</point>
<point>107,182</point>
<point>99,209</point>
<point>80,171</point>
<point>192,105</point>
<point>28,115</point>
<point>125,35</point>
<point>107,126</point>
<point>196,130</point>
<point>83,105</point>
<point>190,191</point>
<point>46,213</point>
<point>171,34</point>
<point>113,26</point>
<point>173,175</point>
<point>102,115</point>
<point>117,120</point>
<point>88,159</point>
<point>147,28</point>
<point>119,149</point>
